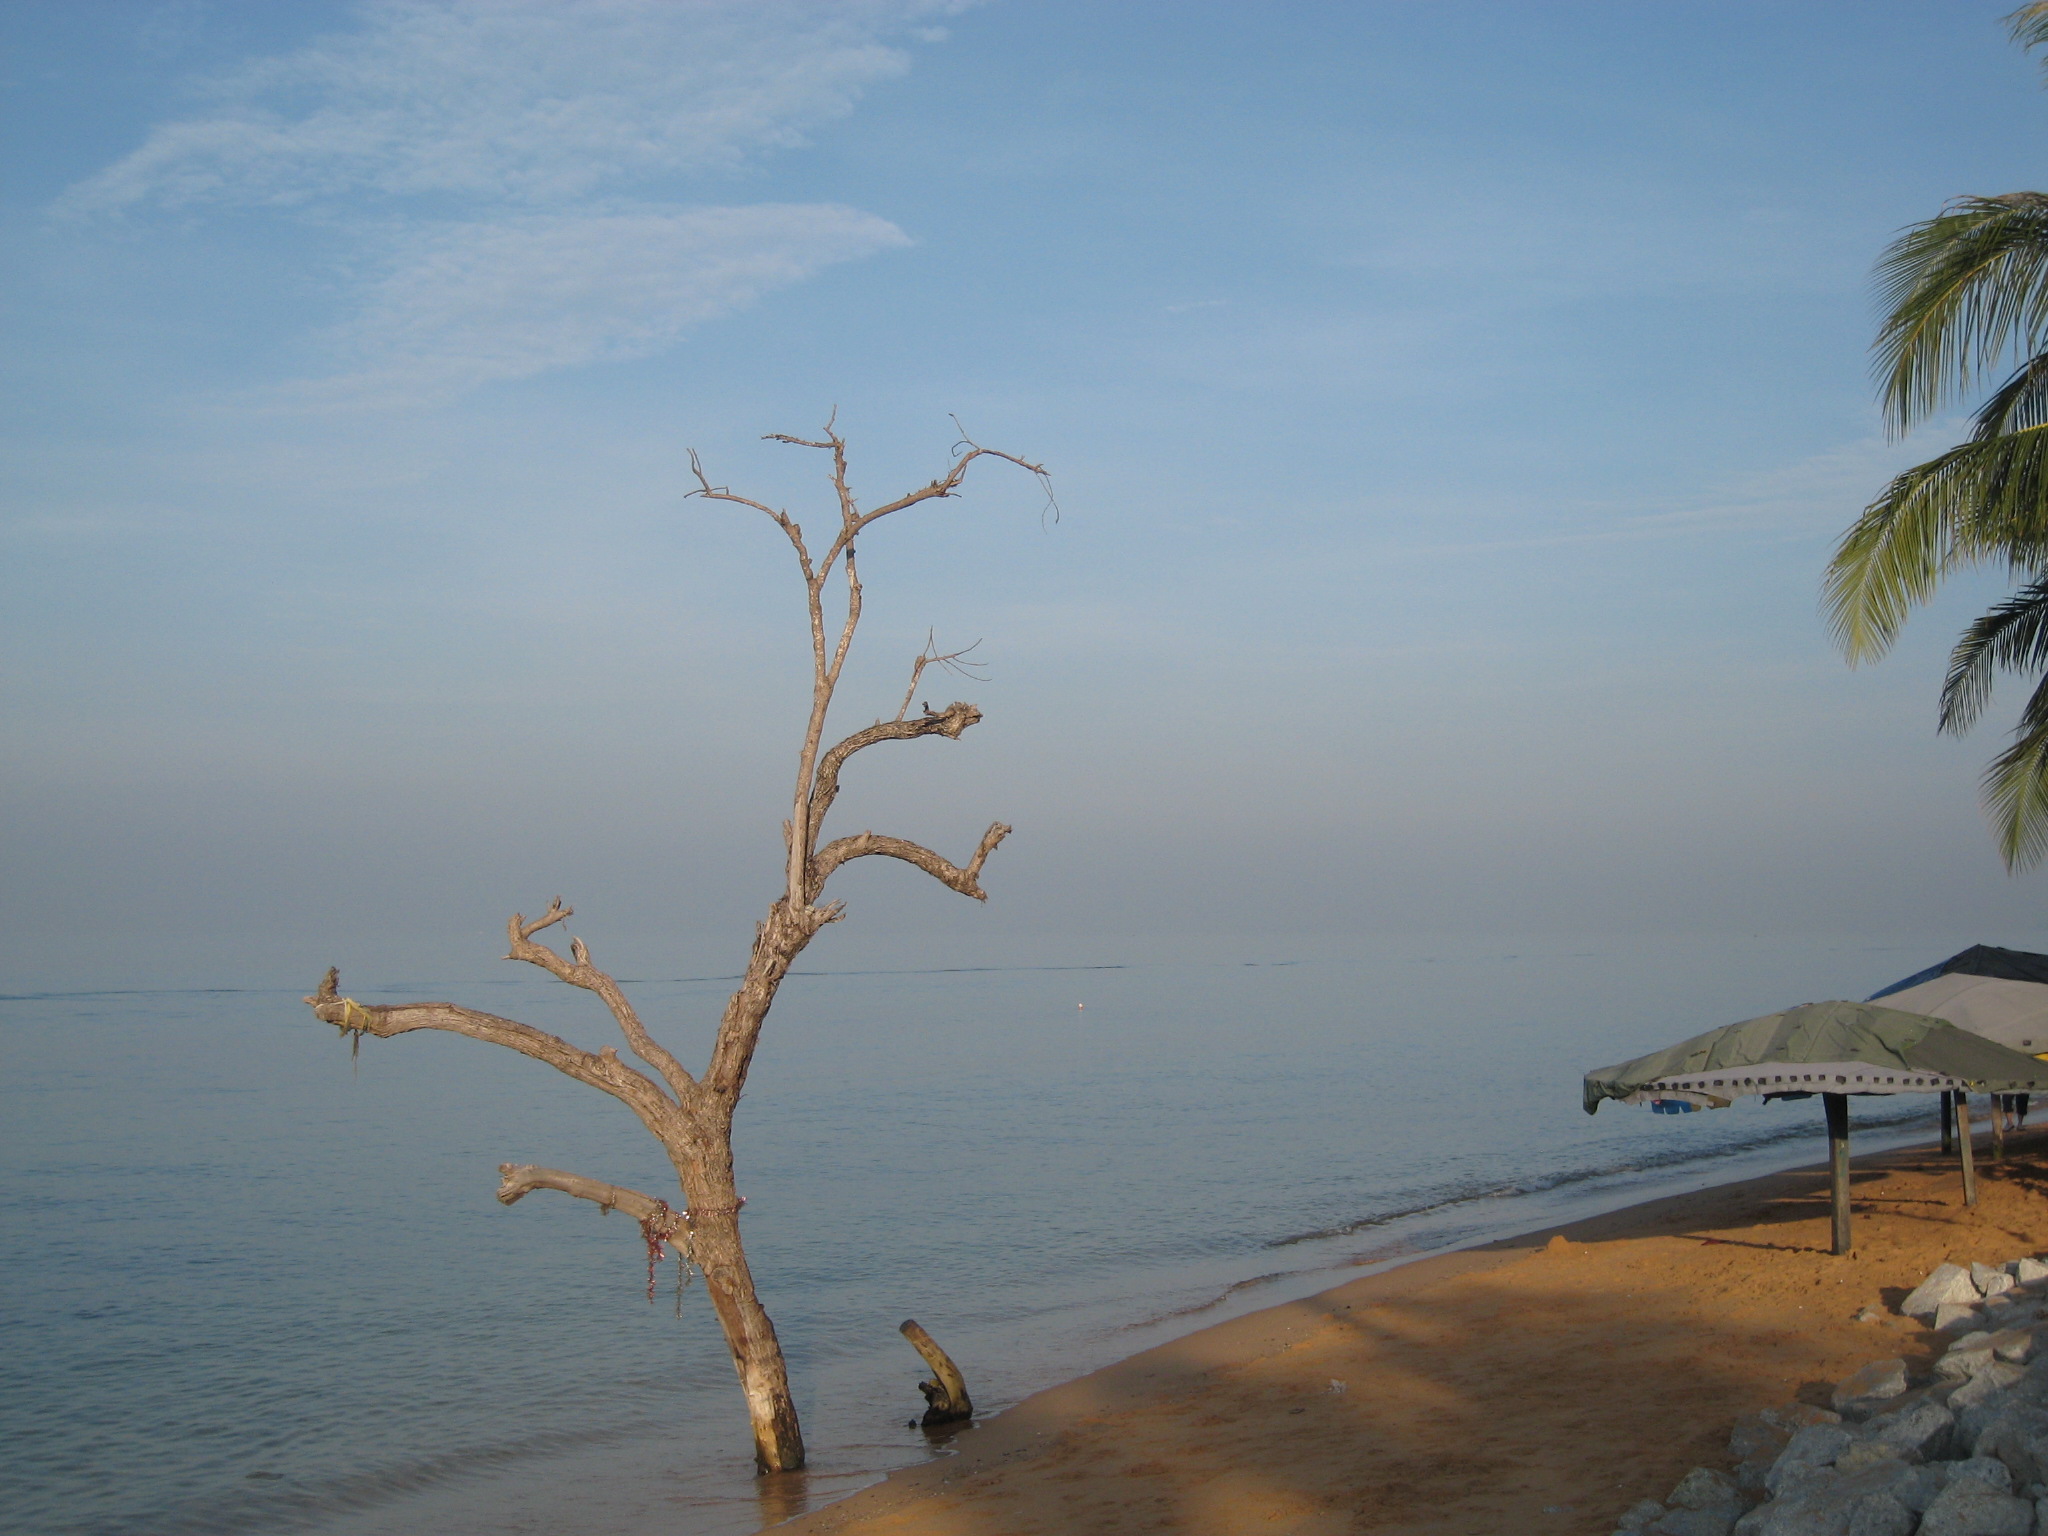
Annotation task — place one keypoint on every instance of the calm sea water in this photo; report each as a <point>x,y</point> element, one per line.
<point>251,1284</point>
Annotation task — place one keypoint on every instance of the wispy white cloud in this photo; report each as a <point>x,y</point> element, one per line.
<point>522,100</point>
<point>479,147</point>
<point>466,304</point>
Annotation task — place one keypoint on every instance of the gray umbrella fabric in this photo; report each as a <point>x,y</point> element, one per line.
<point>2001,994</point>
<point>1834,1047</point>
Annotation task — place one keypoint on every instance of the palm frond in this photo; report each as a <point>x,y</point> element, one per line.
<point>2015,788</point>
<point>1979,501</point>
<point>1965,297</point>
<point>2020,402</point>
<point>2012,636</point>
<point>1961,292</point>
<point>2029,24</point>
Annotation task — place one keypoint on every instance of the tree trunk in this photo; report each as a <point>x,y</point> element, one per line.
<point>714,1225</point>
<point>756,1352</point>
<point>707,1230</point>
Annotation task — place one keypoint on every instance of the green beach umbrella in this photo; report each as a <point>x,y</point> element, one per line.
<point>1833,1049</point>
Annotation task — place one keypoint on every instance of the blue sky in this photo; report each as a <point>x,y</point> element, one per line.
<point>1451,407</point>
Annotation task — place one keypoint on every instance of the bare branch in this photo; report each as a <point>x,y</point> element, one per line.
<point>949,483</point>
<point>579,972</point>
<point>853,601</point>
<point>949,722</point>
<point>556,913</point>
<point>853,520</point>
<point>1052,502</point>
<point>518,1180</point>
<point>781,519</point>
<point>831,437</point>
<point>824,674</point>
<point>637,1091</point>
<point>967,881</point>
<point>827,661</point>
<point>955,662</point>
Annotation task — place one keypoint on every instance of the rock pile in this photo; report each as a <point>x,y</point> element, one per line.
<point>1962,1454</point>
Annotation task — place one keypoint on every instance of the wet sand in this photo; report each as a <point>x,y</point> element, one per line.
<point>1541,1384</point>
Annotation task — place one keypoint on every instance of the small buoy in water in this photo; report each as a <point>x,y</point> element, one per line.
<point>1080,1005</point>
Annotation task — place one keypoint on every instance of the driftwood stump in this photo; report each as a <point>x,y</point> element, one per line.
<point>945,1396</point>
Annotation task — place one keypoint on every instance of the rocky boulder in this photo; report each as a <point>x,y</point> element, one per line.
<point>1856,1395</point>
<point>1948,1283</point>
<point>1969,1506</point>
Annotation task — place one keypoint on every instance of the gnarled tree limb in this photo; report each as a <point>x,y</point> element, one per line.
<point>967,881</point>
<point>518,1180</point>
<point>603,1069</point>
<point>948,722</point>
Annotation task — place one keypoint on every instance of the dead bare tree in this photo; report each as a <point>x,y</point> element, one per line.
<point>691,1115</point>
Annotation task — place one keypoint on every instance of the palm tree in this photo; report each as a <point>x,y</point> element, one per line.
<point>1966,299</point>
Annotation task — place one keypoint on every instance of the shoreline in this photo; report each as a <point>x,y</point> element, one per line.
<point>1544,1381</point>
<point>1420,1237</point>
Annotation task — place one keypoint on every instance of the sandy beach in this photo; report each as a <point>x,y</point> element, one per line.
<point>1541,1384</point>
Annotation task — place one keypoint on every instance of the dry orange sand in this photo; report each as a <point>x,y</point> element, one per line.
<point>1541,1385</point>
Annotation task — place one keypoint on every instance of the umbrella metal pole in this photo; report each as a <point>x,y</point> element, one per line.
<point>1963,1141</point>
<point>1948,1122</point>
<point>1837,1107</point>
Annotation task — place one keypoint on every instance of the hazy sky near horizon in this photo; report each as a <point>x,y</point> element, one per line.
<point>1451,408</point>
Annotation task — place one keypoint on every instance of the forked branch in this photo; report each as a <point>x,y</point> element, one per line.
<point>946,485</point>
<point>851,519</point>
<point>816,782</point>
<point>579,972</point>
